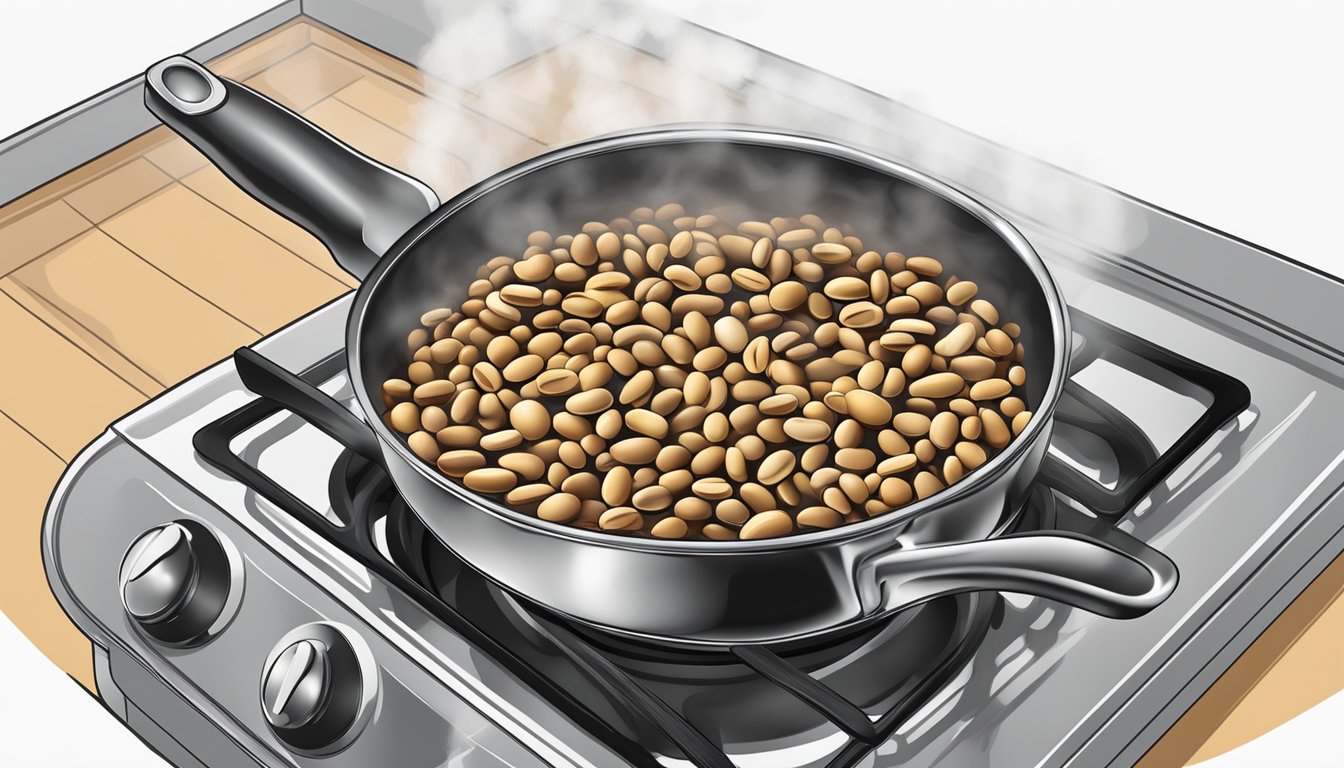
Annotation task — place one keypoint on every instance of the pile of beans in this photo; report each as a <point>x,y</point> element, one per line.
<point>674,376</point>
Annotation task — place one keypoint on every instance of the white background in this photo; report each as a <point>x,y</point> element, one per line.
<point>1228,112</point>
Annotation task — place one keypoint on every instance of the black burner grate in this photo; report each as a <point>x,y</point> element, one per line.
<point>363,496</point>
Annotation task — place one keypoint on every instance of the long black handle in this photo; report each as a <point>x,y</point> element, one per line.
<point>322,411</point>
<point>357,206</point>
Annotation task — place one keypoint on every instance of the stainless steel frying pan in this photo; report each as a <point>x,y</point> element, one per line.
<point>412,253</point>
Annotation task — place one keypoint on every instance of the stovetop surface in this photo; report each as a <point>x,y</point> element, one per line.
<point>1245,517</point>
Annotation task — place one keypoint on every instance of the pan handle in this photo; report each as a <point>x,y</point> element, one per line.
<point>356,206</point>
<point>1098,576</point>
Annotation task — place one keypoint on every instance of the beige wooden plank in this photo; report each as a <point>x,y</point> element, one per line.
<point>81,337</point>
<point>219,257</point>
<point>153,321</point>
<point>370,58</point>
<point>24,239</point>
<point>213,185</point>
<point>481,144</point>
<point>117,189</point>
<point>94,168</point>
<point>444,173</point>
<point>175,156</point>
<point>30,471</point>
<point>52,388</point>
<point>261,52</point>
<point>306,78</point>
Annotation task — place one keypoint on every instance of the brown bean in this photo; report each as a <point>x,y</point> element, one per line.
<point>646,422</point>
<point>807,430</point>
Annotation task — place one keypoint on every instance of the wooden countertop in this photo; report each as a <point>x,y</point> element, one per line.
<point>146,265</point>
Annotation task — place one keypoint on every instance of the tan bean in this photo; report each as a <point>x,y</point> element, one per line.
<point>985,311</point>
<point>559,508</point>
<point>990,389</point>
<point>961,292</point>
<point>405,418</point>
<point>590,402</point>
<point>621,519</point>
<point>788,296</point>
<point>863,314</point>
<point>911,424</point>
<point>636,450</point>
<point>776,467</point>
<point>936,385</point>
<point>766,525</point>
<point>807,430</point>
<point>868,407</point>
<point>646,422</point>
<point>924,265</point>
<point>669,528</point>
<point>490,480</point>
<point>957,341</point>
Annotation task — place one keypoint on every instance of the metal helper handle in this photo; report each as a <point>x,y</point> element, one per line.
<point>1071,568</point>
<point>356,206</point>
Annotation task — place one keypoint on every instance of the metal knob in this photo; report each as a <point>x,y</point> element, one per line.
<point>178,582</point>
<point>317,688</point>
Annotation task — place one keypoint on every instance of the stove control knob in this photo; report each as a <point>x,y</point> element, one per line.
<point>317,688</point>
<point>178,583</point>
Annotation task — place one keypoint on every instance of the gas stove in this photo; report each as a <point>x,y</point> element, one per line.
<point>256,595</point>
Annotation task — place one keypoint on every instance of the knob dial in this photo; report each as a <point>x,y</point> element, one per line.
<point>317,688</point>
<point>178,583</point>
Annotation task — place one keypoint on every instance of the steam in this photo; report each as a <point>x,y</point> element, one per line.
<point>485,104</point>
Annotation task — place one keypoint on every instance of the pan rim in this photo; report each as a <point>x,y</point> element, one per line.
<point>750,136</point>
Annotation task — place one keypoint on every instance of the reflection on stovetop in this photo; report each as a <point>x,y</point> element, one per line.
<point>1131,412</point>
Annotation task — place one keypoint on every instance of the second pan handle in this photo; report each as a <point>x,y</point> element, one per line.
<point>355,205</point>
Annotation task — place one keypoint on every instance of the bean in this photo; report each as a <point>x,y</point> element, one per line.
<point>924,265</point>
<point>961,292</point>
<point>807,430</point>
<point>957,341</point>
<point>490,480</point>
<point>864,314</point>
<point>788,296</point>
<point>670,528</point>
<point>531,419</point>
<point>936,385</point>
<point>405,418</point>
<point>646,422</point>
<point>776,467</point>
<point>868,407</point>
<point>636,450</point>
<point>847,288</point>
<point>559,508</point>
<point>590,402</point>
<point>766,525</point>
<point>911,424</point>
<point>990,389</point>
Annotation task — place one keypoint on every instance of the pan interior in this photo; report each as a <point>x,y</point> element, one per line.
<point>737,180</point>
